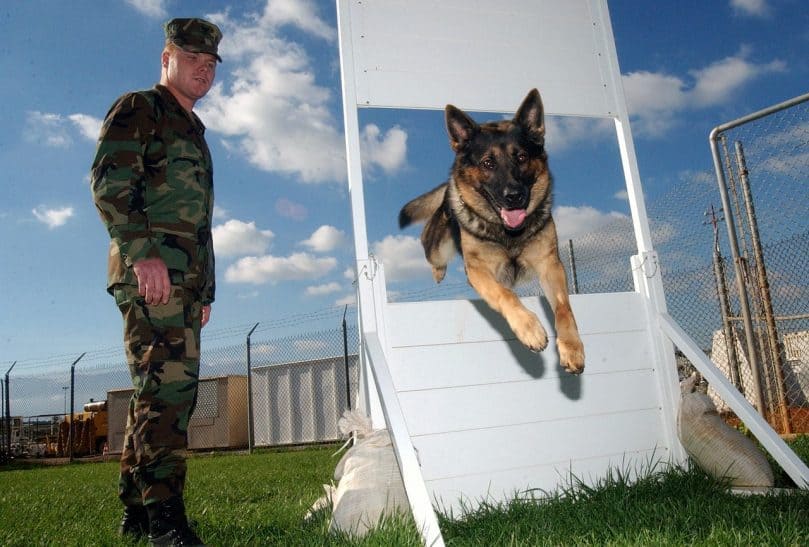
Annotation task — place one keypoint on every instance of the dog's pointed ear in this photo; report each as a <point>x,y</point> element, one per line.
<point>460,127</point>
<point>531,117</point>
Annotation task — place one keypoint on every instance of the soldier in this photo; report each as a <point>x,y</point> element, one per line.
<point>152,183</point>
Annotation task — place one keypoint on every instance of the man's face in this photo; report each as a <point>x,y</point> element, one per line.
<point>190,74</point>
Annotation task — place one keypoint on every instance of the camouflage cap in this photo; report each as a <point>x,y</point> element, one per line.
<point>194,34</point>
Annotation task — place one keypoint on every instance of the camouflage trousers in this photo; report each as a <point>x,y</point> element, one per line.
<point>162,349</point>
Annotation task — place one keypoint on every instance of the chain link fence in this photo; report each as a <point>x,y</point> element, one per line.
<point>294,392</point>
<point>300,384</point>
<point>764,161</point>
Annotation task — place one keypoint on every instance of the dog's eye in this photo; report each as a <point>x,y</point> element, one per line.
<point>522,157</point>
<point>488,164</point>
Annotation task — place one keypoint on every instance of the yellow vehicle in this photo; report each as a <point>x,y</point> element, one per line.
<point>89,430</point>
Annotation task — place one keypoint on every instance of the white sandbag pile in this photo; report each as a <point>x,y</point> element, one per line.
<point>369,481</point>
<point>717,448</point>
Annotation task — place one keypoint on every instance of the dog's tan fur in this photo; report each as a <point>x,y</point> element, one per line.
<point>496,210</point>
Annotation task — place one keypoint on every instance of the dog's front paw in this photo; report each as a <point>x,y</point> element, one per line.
<point>530,332</point>
<point>571,355</point>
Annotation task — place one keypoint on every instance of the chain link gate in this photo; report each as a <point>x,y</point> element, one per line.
<point>762,165</point>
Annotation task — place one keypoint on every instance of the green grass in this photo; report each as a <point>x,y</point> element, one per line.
<point>261,499</point>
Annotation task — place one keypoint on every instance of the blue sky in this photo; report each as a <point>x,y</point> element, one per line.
<point>282,228</point>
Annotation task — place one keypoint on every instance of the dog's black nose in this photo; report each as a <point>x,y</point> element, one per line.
<point>514,197</point>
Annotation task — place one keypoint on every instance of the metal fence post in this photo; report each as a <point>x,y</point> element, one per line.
<point>574,277</point>
<point>3,454</point>
<point>250,432</point>
<point>744,306</point>
<point>8,412</point>
<point>72,427</point>
<point>345,359</point>
<point>764,289</point>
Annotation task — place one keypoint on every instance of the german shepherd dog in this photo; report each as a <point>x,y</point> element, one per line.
<point>495,209</point>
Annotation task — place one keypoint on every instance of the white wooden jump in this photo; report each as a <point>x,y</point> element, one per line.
<point>474,416</point>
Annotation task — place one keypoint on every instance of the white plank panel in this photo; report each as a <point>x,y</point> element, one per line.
<point>484,406</point>
<point>424,54</point>
<point>456,321</point>
<point>529,445</point>
<point>504,485</point>
<point>446,365</point>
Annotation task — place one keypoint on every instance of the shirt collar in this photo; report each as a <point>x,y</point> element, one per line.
<point>171,100</point>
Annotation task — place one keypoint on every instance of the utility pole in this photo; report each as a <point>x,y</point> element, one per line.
<point>724,305</point>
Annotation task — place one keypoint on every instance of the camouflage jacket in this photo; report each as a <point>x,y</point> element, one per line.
<point>152,183</point>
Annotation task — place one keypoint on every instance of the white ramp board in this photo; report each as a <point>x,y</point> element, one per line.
<point>490,420</point>
<point>472,415</point>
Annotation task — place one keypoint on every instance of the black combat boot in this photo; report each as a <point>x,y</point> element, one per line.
<point>135,522</point>
<point>168,525</point>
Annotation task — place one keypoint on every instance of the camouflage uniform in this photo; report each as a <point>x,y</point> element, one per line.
<point>152,182</point>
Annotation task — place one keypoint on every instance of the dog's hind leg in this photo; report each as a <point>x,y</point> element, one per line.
<point>438,243</point>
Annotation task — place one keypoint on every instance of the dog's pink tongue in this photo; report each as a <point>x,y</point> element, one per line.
<point>513,217</point>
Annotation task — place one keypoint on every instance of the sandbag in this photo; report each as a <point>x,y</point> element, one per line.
<point>717,448</point>
<point>369,483</point>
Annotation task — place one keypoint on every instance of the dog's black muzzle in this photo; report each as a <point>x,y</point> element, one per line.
<point>514,196</point>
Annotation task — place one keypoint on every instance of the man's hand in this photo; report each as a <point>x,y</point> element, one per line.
<point>153,280</point>
<point>206,314</point>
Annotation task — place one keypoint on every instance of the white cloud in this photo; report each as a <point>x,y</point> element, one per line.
<point>235,238</point>
<point>150,8</point>
<point>753,8</point>
<point>387,151</point>
<point>565,131</point>
<point>721,79</point>
<point>350,274</point>
<point>47,129</point>
<point>347,300</point>
<point>311,345</point>
<point>53,218</point>
<point>320,290</point>
<point>272,269</point>
<point>264,349</point>
<point>54,130</point>
<point>89,127</point>
<point>273,111</point>
<point>403,258</point>
<point>301,13</point>
<point>289,209</point>
<point>655,99</point>
<point>784,164</point>
<point>325,239</point>
<point>573,222</point>
<point>220,213</point>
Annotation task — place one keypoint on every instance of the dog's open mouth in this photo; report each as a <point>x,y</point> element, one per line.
<point>512,218</point>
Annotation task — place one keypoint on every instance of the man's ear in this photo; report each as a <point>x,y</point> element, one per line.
<point>460,127</point>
